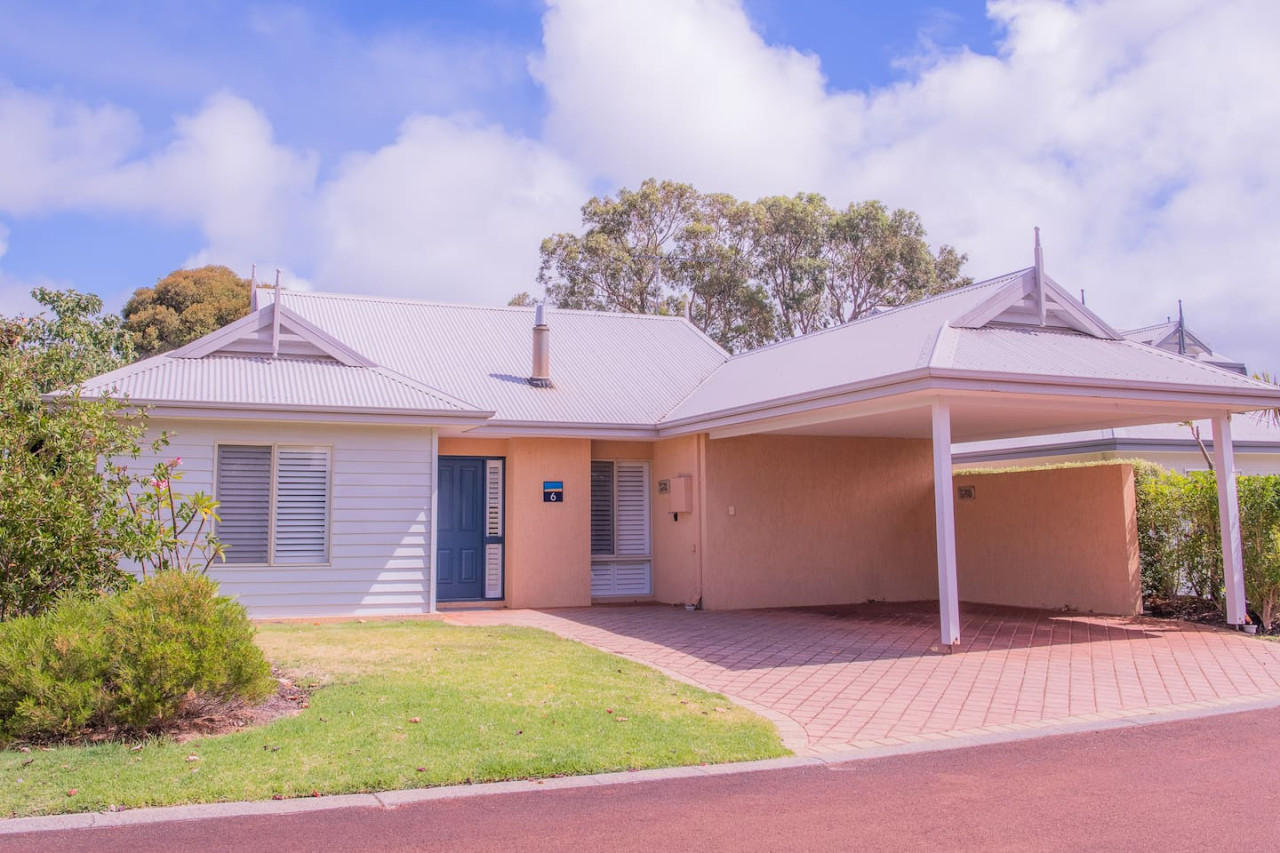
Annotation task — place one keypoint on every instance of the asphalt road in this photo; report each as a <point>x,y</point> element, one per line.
<point>1192,785</point>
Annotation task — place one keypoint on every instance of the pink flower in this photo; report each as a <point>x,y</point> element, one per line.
<point>174,462</point>
<point>160,485</point>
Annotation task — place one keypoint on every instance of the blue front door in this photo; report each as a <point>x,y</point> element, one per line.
<point>460,539</point>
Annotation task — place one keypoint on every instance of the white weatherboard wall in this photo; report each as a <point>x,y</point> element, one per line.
<point>379,525</point>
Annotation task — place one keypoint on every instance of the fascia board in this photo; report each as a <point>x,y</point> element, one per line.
<point>324,340</point>
<point>560,429</point>
<point>1080,313</point>
<point>353,414</point>
<point>979,316</point>
<point>214,341</point>
<point>945,379</point>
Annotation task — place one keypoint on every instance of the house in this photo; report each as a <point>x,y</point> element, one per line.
<point>1182,447</point>
<point>376,455</point>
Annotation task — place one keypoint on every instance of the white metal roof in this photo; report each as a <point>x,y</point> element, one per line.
<point>607,369</point>
<point>648,375</point>
<point>921,337</point>
<point>259,382</point>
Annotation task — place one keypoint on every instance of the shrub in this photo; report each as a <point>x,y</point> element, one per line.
<point>1180,540</point>
<point>53,670</point>
<point>176,640</point>
<point>133,661</point>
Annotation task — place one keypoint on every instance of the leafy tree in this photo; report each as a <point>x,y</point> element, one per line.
<point>183,306</point>
<point>877,259</point>
<point>617,264</point>
<point>789,259</point>
<point>745,273</point>
<point>713,265</point>
<point>69,507</point>
<point>59,510</point>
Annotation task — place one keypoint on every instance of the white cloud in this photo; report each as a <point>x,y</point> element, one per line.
<point>451,210</point>
<point>1139,135</point>
<point>683,89</point>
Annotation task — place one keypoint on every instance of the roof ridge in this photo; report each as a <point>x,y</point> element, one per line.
<point>406,300</point>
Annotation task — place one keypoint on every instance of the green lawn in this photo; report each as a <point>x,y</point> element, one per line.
<point>493,703</point>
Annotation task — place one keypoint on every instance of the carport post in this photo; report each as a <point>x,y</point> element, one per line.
<point>945,524</point>
<point>1224,464</point>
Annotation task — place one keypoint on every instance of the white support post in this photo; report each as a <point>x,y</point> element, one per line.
<point>945,524</point>
<point>433,522</point>
<point>1224,464</point>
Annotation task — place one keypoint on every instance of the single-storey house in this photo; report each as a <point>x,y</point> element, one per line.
<point>377,455</point>
<point>1181,447</point>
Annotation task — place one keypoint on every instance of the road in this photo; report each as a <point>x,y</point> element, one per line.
<point>1190,785</point>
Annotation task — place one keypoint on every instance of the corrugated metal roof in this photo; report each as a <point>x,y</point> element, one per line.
<point>880,345</point>
<point>1046,352</point>
<point>262,381</point>
<point>610,369</point>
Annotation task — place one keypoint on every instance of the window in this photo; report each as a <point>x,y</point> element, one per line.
<point>273,503</point>
<point>620,549</point>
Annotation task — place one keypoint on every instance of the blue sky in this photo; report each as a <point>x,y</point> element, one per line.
<point>424,148</point>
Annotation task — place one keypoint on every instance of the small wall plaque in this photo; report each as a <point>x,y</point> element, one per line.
<point>553,491</point>
<point>664,487</point>
<point>967,493</point>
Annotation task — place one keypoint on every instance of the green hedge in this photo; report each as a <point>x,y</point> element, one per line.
<point>132,661</point>
<point>1180,540</point>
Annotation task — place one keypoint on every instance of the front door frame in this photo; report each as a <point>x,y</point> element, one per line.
<point>493,528</point>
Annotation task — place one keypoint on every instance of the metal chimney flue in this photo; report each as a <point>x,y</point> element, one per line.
<point>541,377</point>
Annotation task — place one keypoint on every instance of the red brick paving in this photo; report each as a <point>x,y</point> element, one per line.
<point>835,678</point>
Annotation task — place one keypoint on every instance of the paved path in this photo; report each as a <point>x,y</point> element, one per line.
<point>864,676</point>
<point>1201,784</point>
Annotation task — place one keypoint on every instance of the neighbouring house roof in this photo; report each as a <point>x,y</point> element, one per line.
<point>1249,434</point>
<point>615,374</point>
<point>1174,336</point>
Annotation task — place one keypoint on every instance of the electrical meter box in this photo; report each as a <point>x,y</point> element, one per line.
<point>678,493</point>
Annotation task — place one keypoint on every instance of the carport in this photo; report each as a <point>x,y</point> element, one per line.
<point>1015,356</point>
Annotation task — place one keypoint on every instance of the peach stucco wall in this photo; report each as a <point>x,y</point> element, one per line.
<point>1061,537</point>
<point>677,542</point>
<point>817,520</point>
<point>548,545</point>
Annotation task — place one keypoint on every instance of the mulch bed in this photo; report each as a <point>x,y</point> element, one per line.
<point>201,717</point>
<point>1191,608</point>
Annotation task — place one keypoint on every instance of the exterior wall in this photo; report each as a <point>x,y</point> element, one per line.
<point>548,544</point>
<point>677,543</point>
<point>1062,537</point>
<point>379,529</point>
<point>817,521</point>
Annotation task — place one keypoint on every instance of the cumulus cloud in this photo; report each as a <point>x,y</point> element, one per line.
<point>451,210</point>
<point>1138,133</point>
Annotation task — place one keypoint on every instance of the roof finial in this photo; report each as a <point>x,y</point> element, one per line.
<point>275,320</point>
<point>1182,331</point>
<point>1040,306</point>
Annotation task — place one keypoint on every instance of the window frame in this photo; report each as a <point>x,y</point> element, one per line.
<point>273,488</point>
<point>615,559</point>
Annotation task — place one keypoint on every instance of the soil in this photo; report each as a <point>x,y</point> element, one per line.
<point>1191,608</point>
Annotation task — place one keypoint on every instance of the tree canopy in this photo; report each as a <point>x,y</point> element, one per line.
<point>183,306</point>
<point>59,504</point>
<point>746,273</point>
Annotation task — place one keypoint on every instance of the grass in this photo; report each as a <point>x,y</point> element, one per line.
<point>493,704</point>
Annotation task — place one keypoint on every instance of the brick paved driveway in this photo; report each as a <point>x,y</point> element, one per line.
<point>836,678</point>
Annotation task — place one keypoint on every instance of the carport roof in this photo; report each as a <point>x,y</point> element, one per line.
<point>985,340</point>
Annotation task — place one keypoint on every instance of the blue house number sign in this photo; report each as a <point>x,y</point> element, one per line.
<point>552,491</point>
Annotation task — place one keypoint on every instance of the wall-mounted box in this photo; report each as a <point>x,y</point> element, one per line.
<point>677,494</point>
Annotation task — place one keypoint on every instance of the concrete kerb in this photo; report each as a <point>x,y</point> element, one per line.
<point>831,760</point>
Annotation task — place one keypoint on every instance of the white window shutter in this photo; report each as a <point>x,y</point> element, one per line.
<point>244,501</point>
<point>632,523</point>
<point>302,505</point>
<point>493,497</point>
<point>493,502</point>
